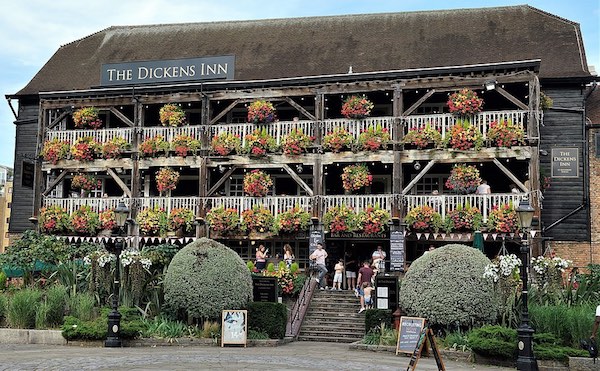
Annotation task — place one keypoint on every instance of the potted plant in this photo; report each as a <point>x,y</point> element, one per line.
<point>261,112</point>
<point>84,149</point>
<point>259,143</point>
<point>337,140</point>
<point>340,219</point>
<point>422,137</point>
<point>505,134</point>
<point>503,219</point>
<point>166,179</point>
<point>463,218</point>
<point>423,219</point>
<point>355,177</point>
<point>464,102</point>
<point>463,179</point>
<point>85,182</point>
<point>463,136</point>
<point>182,144</point>
<point>226,143</point>
<point>87,117</point>
<point>114,147</point>
<point>545,101</point>
<point>296,142</point>
<point>373,220</point>
<point>258,219</point>
<point>257,183</point>
<point>108,221</point>
<point>153,146</point>
<point>223,221</point>
<point>181,220</point>
<point>357,107</point>
<point>171,115</point>
<point>293,220</point>
<point>54,219</point>
<point>373,138</point>
<point>55,150</point>
<point>85,221</point>
<point>152,221</point>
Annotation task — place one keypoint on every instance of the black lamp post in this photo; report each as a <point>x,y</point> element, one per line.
<point>113,338</point>
<point>526,359</point>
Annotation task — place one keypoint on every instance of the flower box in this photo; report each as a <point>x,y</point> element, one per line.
<point>223,222</point>
<point>114,148</point>
<point>296,143</point>
<point>340,219</point>
<point>184,144</point>
<point>225,143</point>
<point>292,221</point>
<point>84,149</point>
<point>373,138</point>
<point>54,219</point>
<point>181,220</point>
<point>337,140</point>
<point>84,221</point>
<point>423,219</point>
<point>258,220</point>
<point>503,219</point>
<point>423,137</point>
<point>373,220</point>
<point>259,143</point>
<point>504,133</point>
<point>153,221</point>
<point>55,150</point>
<point>464,136</point>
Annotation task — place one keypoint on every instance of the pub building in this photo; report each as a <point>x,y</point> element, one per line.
<point>200,79</point>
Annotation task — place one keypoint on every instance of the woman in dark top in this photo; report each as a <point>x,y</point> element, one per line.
<point>351,267</point>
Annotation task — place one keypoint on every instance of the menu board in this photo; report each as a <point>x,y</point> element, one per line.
<point>409,334</point>
<point>315,238</point>
<point>396,251</point>
<point>264,289</point>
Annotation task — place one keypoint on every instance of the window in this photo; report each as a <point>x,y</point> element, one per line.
<point>428,183</point>
<point>8,205</point>
<point>235,187</point>
<point>7,220</point>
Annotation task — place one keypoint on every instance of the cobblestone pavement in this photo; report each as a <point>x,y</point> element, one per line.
<point>293,356</point>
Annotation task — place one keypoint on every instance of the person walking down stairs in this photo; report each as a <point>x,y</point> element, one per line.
<point>319,256</point>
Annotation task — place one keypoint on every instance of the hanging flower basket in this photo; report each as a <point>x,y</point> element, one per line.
<point>181,219</point>
<point>503,219</point>
<point>184,144</point>
<point>108,220</point>
<point>54,219</point>
<point>296,142</point>
<point>258,219</point>
<point>172,115</point>
<point>293,220</point>
<point>259,143</point>
<point>152,221</point>
<point>261,112</point>
<point>87,117</point>
<point>85,182</point>
<point>225,143</point>
<point>423,219</point>
<point>465,102</point>
<point>85,221</point>
<point>153,146</point>
<point>337,140</point>
<point>373,220</point>
<point>504,133</point>
<point>223,221</point>
<point>463,218</point>
<point>357,107</point>
<point>257,183</point>
<point>114,148</point>
<point>464,179</point>
<point>463,136</point>
<point>374,138</point>
<point>55,150</point>
<point>84,149</point>
<point>355,177</point>
<point>340,219</point>
<point>166,179</point>
<point>422,137</point>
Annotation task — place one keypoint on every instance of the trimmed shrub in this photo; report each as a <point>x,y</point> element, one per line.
<point>375,317</point>
<point>446,286</point>
<point>268,317</point>
<point>494,341</point>
<point>22,308</point>
<point>205,278</point>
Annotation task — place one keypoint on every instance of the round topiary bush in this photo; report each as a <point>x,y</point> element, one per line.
<point>204,278</point>
<point>446,286</point>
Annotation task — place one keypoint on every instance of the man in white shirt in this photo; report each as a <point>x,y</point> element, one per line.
<point>596,323</point>
<point>484,188</point>
<point>378,259</point>
<point>319,256</point>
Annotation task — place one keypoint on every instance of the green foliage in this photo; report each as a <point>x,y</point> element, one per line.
<point>3,307</point>
<point>375,318</point>
<point>3,280</point>
<point>494,341</point>
<point>250,265</point>
<point>204,278</point>
<point>281,265</point>
<point>257,335</point>
<point>447,287</point>
<point>41,316</point>
<point>456,340</point>
<point>381,335</point>
<point>569,324</point>
<point>22,308</point>
<point>77,329</point>
<point>211,330</point>
<point>294,268</point>
<point>558,352</point>
<point>160,255</point>
<point>299,280</point>
<point>268,317</point>
<point>56,303</point>
<point>164,328</point>
<point>270,267</point>
<point>82,306</point>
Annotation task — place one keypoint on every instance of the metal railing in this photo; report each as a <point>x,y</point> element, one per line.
<point>300,307</point>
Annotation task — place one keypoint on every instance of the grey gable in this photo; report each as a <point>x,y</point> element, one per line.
<point>280,48</point>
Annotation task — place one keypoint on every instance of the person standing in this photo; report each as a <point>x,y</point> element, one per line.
<point>378,259</point>
<point>319,256</point>
<point>288,255</point>
<point>596,323</point>
<point>261,257</point>
<point>351,267</point>
<point>484,188</point>
<point>337,278</point>
<point>364,275</point>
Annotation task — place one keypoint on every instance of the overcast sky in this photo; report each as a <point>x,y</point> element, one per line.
<point>32,30</point>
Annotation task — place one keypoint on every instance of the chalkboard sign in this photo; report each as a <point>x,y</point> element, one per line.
<point>315,238</point>
<point>264,289</point>
<point>425,334</point>
<point>27,174</point>
<point>397,251</point>
<point>409,334</point>
<point>387,292</point>
<point>234,327</point>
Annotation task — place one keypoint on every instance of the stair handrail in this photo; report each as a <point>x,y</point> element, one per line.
<point>301,306</point>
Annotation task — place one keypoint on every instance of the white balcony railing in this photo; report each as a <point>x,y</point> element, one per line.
<point>169,133</point>
<point>275,204</point>
<point>355,127</point>
<point>100,135</point>
<point>445,203</point>
<point>169,203</point>
<point>97,204</point>
<point>277,130</point>
<point>358,202</point>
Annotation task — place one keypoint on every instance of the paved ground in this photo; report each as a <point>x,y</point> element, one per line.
<point>293,356</point>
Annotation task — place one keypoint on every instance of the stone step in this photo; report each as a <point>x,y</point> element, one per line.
<point>332,328</point>
<point>337,334</point>
<point>335,314</point>
<point>338,307</point>
<point>329,339</point>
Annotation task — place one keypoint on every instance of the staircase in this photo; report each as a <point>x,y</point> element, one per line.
<point>333,317</point>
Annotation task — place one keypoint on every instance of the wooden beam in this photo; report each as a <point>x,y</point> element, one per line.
<point>418,103</point>
<point>224,112</point>
<point>121,116</point>
<point>301,109</point>
<point>57,120</point>
<point>55,182</point>
<point>119,181</point>
<point>511,98</point>
<point>510,175</point>
<point>220,182</point>
<point>298,180</point>
<point>418,177</point>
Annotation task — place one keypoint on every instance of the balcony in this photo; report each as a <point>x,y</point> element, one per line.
<point>355,127</point>
<point>169,133</point>
<point>169,203</point>
<point>97,204</point>
<point>275,204</point>
<point>358,202</point>
<point>277,130</point>
<point>100,135</point>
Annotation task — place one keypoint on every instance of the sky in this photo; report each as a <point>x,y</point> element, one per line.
<point>33,30</point>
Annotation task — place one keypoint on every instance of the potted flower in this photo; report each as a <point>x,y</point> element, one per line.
<point>226,143</point>
<point>373,138</point>
<point>296,142</point>
<point>257,183</point>
<point>152,146</point>
<point>463,135</point>
<point>503,219</point>
<point>171,115</point>
<point>463,218</point>
<point>182,144</point>
<point>152,221</point>
<point>54,219</point>
<point>337,140</point>
<point>223,221</point>
<point>166,179</point>
<point>114,147</point>
<point>84,149</point>
<point>355,177</point>
<point>422,137</point>
<point>293,220</point>
<point>181,220</point>
<point>340,219</point>
<point>357,107</point>
<point>505,267</point>
<point>258,219</point>
<point>545,101</point>
<point>261,112</point>
<point>506,134</point>
<point>373,220</point>
<point>55,150</point>
<point>463,179</point>
<point>85,182</point>
<point>259,143</point>
<point>464,102</point>
<point>548,270</point>
<point>423,219</point>
<point>87,117</point>
<point>107,219</point>
<point>85,221</point>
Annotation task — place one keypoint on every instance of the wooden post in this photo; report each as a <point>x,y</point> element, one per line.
<point>136,176</point>
<point>397,176</point>
<point>38,182</point>
<point>202,191</point>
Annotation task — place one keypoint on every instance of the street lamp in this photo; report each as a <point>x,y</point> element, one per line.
<point>526,359</point>
<point>113,338</point>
